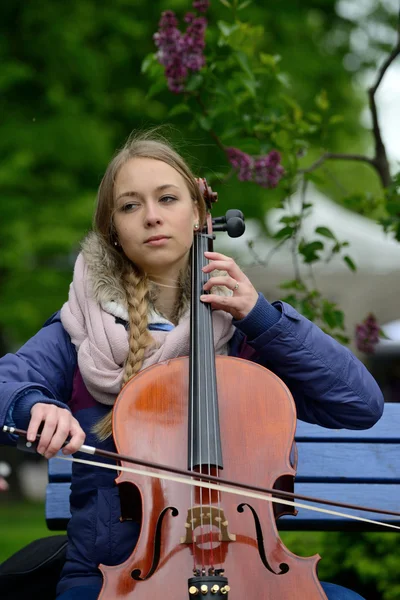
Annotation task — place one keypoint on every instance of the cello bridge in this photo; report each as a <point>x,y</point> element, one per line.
<point>203,516</point>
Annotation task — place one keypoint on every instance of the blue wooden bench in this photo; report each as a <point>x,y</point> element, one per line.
<point>357,467</point>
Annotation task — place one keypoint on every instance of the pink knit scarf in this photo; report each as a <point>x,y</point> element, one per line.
<point>102,343</point>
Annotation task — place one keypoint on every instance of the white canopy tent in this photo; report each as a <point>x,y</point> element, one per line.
<point>374,287</point>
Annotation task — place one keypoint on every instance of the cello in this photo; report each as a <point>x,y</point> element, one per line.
<point>216,415</point>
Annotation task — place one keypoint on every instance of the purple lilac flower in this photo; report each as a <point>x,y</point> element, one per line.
<point>189,17</point>
<point>201,5</point>
<point>193,44</point>
<point>265,170</point>
<point>180,53</point>
<point>242,162</point>
<point>367,334</point>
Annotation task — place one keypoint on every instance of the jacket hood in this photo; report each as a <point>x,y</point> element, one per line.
<point>105,272</point>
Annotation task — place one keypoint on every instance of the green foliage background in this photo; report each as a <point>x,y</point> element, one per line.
<point>71,91</point>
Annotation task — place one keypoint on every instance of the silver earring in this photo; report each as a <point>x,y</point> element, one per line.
<point>196,225</point>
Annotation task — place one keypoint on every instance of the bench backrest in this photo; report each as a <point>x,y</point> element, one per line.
<point>357,467</point>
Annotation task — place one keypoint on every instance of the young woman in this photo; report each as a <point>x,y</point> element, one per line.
<point>127,310</point>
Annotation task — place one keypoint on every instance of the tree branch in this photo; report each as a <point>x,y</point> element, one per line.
<point>337,156</point>
<point>379,162</point>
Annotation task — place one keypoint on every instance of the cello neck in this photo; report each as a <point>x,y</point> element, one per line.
<point>204,440</point>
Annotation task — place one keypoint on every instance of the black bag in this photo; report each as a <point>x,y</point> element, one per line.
<point>33,572</point>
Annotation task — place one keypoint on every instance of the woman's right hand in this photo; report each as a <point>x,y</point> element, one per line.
<point>58,425</point>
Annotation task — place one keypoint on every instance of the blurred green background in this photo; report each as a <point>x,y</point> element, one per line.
<point>71,91</point>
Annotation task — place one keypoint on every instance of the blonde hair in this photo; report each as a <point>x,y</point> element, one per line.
<point>139,292</point>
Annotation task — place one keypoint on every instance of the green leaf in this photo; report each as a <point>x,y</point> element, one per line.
<point>314,117</point>
<point>350,263</point>
<point>284,79</point>
<point>147,62</point>
<point>269,60</point>
<point>204,122</point>
<point>322,101</point>
<point>309,251</point>
<point>179,109</point>
<point>293,284</point>
<point>313,246</point>
<point>226,3</point>
<point>285,232</point>
<point>282,139</point>
<point>289,219</point>
<point>244,63</point>
<point>194,82</point>
<point>297,111</point>
<point>226,28</point>
<point>336,119</point>
<point>250,85</point>
<point>332,316</point>
<point>244,4</point>
<point>263,127</point>
<point>156,87</point>
<point>325,232</point>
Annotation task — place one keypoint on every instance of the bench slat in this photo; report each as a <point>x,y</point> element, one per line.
<point>385,496</point>
<point>386,430</point>
<point>348,463</point>
<point>57,506</point>
<point>59,470</point>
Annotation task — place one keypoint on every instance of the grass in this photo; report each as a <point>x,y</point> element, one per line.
<point>20,524</point>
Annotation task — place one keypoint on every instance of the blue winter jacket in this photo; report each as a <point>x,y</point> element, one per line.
<point>330,386</point>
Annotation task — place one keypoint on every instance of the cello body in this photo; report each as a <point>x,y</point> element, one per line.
<point>195,541</point>
<point>214,415</point>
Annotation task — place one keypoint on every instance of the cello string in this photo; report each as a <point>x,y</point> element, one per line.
<point>227,489</point>
<point>192,408</point>
<point>199,418</point>
<point>210,394</point>
<point>216,434</point>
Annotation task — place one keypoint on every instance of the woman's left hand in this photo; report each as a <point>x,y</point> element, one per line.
<point>244,295</point>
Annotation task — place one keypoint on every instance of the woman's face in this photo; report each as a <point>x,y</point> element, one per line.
<point>154,216</point>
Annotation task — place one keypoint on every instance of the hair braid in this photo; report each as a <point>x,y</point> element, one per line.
<point>137,296</point>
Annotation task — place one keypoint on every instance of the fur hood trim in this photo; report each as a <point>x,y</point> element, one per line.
<point>105,272</point>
